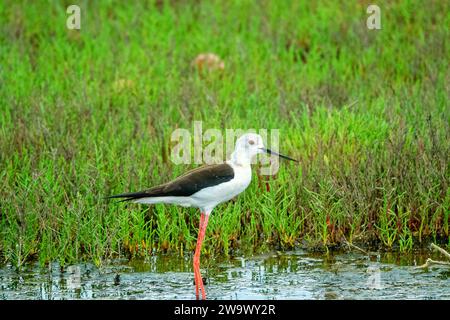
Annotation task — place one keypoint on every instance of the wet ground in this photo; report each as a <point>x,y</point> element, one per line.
<point>288,275</point>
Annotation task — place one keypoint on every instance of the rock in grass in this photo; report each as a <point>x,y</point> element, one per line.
<point>208,62</point>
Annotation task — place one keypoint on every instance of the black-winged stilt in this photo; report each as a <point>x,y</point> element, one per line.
<point>206,187</point>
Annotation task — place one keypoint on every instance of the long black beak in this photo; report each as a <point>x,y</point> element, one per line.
<point>277,154</point>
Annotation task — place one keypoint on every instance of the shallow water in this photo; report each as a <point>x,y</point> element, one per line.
<point>288,275</point>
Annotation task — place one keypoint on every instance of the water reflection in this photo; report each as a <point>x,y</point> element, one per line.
<point>291,275</point>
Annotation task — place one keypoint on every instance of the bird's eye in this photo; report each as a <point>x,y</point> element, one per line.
<point>251,142</point>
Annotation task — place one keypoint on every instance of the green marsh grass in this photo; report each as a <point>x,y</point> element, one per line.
<point>89,113</point>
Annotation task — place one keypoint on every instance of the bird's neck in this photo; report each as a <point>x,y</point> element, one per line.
<point>241,159</point>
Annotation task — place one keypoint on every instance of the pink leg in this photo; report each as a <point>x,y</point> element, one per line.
<point>197,276</point>
<point>196,260</point>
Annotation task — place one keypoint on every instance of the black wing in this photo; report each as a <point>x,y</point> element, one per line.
<point>186,184</point>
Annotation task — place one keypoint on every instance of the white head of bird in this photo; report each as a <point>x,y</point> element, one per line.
<point>248,146</point>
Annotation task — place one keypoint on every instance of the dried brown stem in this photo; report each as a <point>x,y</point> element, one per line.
<point>430,262</point>
<point>445,253</point>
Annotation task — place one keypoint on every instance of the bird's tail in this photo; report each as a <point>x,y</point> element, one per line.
<point>153,192</point>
